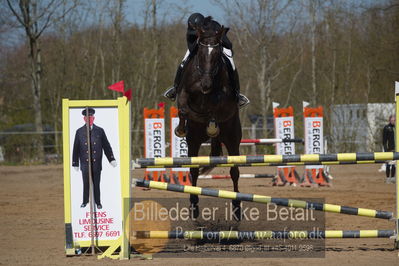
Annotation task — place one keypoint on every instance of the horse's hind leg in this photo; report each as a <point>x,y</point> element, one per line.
<point>216,150</point>
<point>235,175</point>
<point>193,148</point>
<point>194,209</point>
<point>234,149</point>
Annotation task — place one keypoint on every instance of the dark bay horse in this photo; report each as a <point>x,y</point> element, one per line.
<point>207,105</point>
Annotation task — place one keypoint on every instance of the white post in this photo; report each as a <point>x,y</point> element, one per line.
<point>396,175</point>
<point>253,136</point>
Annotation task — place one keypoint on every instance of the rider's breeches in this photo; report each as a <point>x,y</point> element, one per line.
<point>227,52</point>
<point>390,170</point>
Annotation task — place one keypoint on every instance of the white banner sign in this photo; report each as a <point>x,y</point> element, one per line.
<point>314,143</point>
<point>178,146</point>
<point>285,130</point>
<point>155,139</point>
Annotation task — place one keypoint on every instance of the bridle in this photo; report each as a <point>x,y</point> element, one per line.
<point>213,71</point>
<point>208,45</point>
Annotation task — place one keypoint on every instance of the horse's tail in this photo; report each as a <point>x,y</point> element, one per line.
<point>216,150</point>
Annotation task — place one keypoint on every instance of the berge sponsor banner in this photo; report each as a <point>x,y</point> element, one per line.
<point>155,139</point>
<point>284,130</point>
<point>314,138</point>
<point>179,146</point>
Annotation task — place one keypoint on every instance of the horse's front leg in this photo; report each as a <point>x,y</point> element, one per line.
<point>180,130</point>
<point>182,99</point>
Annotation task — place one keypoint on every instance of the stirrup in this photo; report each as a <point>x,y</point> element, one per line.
<point>242,100</point>
<point>170,93</point>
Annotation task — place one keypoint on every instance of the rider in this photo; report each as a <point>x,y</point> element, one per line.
<point>195,21</point>
<point>388,142</point>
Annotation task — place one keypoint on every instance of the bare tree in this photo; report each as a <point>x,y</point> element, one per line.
<point>257,28</point>
<point>155,47</point>
<point>35,17</point>
<point>331,17</point>
<point>117,17</point>
<point>313,6</point>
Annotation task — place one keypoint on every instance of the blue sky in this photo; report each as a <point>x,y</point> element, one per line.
<point>206,7</point>
<point>173,8</point>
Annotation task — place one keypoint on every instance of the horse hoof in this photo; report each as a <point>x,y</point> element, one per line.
<point>212,130</point>
<point>213,134</point>
<point>180,134</point>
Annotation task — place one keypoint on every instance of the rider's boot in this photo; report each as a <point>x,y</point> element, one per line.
<point>234,78</point>
<point>171,92</point>
<point>242,99</point>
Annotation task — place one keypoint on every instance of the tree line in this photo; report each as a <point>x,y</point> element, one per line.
<point>324,52</point>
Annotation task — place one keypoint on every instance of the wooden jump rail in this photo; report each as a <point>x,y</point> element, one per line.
<point>138,166</point>
<point>264,199</point>
<point>251,142</point>
<point>246,159</point>
<point>257,235</point>
<point>241,176</point>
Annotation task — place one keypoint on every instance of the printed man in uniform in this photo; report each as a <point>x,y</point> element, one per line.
<point>99,143</point>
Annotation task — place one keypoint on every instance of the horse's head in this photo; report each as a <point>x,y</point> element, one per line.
<point>209,55</point>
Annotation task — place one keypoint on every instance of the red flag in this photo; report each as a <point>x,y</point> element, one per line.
<point>128,94</point>
<point>161,105</point>
<point>119,86</point>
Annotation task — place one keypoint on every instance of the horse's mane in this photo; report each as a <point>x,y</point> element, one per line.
<point>207,22</point>
<point>210,26</point>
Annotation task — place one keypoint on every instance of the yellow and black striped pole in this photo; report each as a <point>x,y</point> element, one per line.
<point>276,159</point>
<point>257,235</point>
<point>262,164</point>
<point>264,199</point>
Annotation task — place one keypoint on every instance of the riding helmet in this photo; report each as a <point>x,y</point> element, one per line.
<point>195,20</point>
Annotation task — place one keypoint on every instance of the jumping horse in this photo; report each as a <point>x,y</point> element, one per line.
<point>207,106</point>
